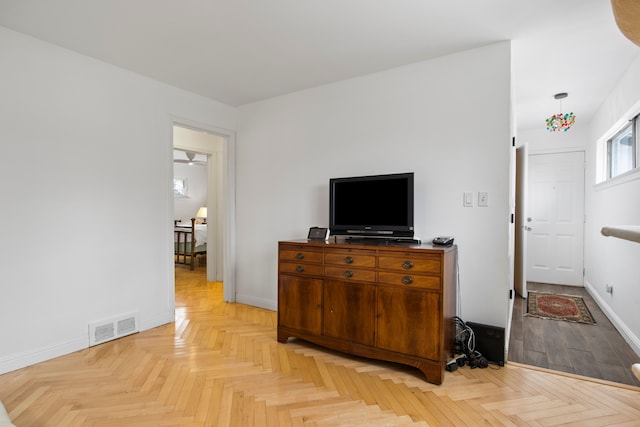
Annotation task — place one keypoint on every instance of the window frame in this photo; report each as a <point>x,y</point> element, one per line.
<point>180,188</point>
<point>634,126</point>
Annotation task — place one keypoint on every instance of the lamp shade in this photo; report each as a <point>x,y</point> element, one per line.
<point>627,17</point>
<point>202,212</point>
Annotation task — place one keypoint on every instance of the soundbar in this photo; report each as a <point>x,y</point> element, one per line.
<point>381,232</point>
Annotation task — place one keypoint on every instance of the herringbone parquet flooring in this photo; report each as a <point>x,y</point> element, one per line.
<point>220,364</point>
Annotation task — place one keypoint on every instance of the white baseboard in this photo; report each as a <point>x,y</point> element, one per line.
<point>21,360</point>
<point>17,361</point>
<point>159,320</point>
<point>626,333</point>
<point>257,302</point>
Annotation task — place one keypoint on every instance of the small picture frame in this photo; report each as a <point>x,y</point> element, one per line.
<point>318,233</point>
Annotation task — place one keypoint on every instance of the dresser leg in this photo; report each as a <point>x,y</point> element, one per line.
<point>282,337</point>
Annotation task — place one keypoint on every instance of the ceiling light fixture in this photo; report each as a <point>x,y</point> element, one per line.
<point>560,122</point>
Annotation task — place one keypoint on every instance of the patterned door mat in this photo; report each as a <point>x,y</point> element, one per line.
<point>559,307</point>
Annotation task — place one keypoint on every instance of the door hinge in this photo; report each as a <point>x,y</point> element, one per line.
<point>513,141</point>
<point>512,219</point>
<point>510,293</point>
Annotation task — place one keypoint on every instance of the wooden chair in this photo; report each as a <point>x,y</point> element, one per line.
<point>185,243</point>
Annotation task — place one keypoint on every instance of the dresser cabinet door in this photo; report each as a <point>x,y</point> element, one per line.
<point>300,303</point>
<point>408,321</point>
<point>348,311</point>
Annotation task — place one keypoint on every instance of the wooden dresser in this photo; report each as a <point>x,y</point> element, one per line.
<point>393,302</point>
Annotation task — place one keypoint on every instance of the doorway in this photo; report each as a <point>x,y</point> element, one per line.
<point>549,218</point>
<point>555,218</point>
<point>554,184</point>
<point>190,201</point>
<point>218,147</point>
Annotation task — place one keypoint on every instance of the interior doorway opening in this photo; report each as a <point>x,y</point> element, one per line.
<point>557,344</point>
<point>214,148</point>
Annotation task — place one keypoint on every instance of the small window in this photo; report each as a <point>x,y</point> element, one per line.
<point>179,187</point>
<point>621,150</point>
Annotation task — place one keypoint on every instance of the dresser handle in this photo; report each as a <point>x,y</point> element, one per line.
<point>407,265</point>
<point>407,280</point>
<point>299,255</point>
<point>299,269</point>
<point>348,274</point>
<point>348,260</point>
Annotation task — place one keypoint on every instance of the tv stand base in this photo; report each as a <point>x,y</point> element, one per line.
<point>374,240</point>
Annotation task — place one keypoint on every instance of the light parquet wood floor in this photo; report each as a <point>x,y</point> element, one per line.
<point>219,364</point>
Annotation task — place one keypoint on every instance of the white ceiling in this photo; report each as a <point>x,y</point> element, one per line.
<point>241,51</point>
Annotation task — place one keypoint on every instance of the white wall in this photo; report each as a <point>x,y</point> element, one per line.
<point>447,120</point>
<point>87,230</point>
<point>542,141</point>
<point>608,259</point>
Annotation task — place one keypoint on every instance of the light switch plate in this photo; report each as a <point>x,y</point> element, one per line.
<point>483,199</point>
<point>467,199</point>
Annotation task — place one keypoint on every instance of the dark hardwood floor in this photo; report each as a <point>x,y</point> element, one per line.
<point>596,351</point>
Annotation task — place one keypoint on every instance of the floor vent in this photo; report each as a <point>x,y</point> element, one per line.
<point>111,329</point>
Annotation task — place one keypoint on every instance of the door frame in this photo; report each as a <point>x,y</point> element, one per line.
<point>520,251</point>
<point>228,198</point>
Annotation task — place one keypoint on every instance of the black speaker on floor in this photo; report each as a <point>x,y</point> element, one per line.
<point>489,342</point>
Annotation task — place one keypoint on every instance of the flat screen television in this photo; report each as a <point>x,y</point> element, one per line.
<point>377,205</point>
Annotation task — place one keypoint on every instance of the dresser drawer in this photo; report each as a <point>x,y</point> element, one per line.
<point>300,255</point>
<point>410,264</point>
<point>343,273</point>
<point>303,269</point>
<point>409,280</point>
<point>350,258</point>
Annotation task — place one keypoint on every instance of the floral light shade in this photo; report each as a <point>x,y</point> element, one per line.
<point>560,122</point>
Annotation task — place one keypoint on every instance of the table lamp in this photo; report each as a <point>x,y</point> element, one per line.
<point>202,213</point>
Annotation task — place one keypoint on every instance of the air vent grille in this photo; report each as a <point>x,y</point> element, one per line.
<point>127,326</point>
<point>111,329</point>
<point>104,332</point>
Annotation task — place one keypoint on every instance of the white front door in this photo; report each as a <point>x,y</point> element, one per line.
<point>555,218</point>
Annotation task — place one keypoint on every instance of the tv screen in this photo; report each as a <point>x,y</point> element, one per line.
<point>378,205</point>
